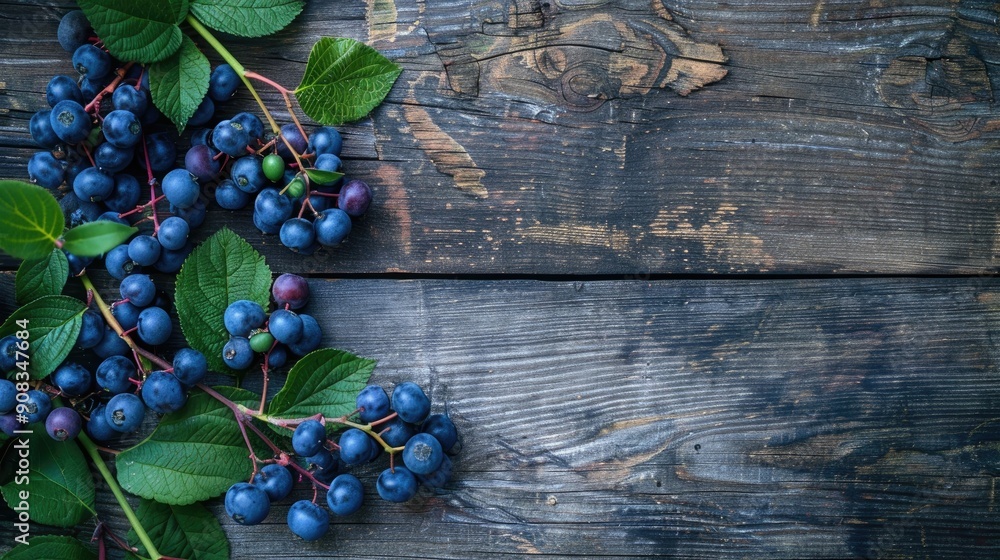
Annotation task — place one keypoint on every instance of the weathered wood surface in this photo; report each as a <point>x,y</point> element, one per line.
<point>834,418</point>
<point>551,136</point>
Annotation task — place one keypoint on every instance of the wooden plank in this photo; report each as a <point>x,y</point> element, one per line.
<point>550,137</point>
<point>829,418</point>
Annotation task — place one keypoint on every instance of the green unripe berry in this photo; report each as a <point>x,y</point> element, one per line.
<point>261,342</point>
<point>295,188</point>
<point>274,166</point>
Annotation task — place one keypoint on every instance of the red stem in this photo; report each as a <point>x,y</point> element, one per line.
<point>96,102</point>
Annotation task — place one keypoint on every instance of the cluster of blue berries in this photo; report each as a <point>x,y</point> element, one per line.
<point>402,425</point>
<point>114,397</point>
<point>252,331</point>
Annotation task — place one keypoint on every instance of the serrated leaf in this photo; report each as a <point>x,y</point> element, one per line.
<point>137,31</point>
<point>190,531</point>
<point>192,455</point>
<point>325,381</point>
<point>96,238</point>
<point>59,484</point>
<point>53,324</point>
<point>41,277</point>
<point>179,83</point>
<point>223,269</point>
<point>344,80</point>
<point>247,18</point>
<point>30,220</point>
<point>51,546</point>
<point>322,177</point>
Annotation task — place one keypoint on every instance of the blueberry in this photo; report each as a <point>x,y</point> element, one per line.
<point>291,133</point>
<point>243,316</point>
<point>275,481</point>
<point>98,427</point>
<point>410,402</point>
<point>111,345</point>
<point>110,216</point>
<point>308,520</point>
<point>118,263</point>
<point>231,138</point>
<point>8,353</point>
<point>271,209</point>
<point>247,504</point>
<point>114,374</point>
<point>439,477</point>
<point>138,289</point>
<point>125,195</point>
<point>346,495</point>
<point>144,250</point>
<point>70,122</point>
<point>278,356</point>
<point>63,424</point>
<point>355,198</point>
<point>311,336</point>
<point>223,82</point>
<point>237,353</point>
<point>154,326</point>
<point>61,88</point>
<point>162,151</point>
<point>41,130</point>
<point>203,114</point>
<point>194,215</point>
<point>332,227</point>
<point>72,379</point>
<point>8,396</point>
<point>251,123</point>
<point>162,392</point>
<point>201,162</point>
<point>36,406</point>
<point>291,290</point>
<point>127,98</point>
<point>92,185</point>
<point>396,486</point>
<point>170,261</point>
<point>443,429</point>
<point>91,62</point>
<point>111,159</point>
<point>9,424</point>
<point>181,188</point>
<point>122,128</point>
<point>173,233</point>
<point>308,438</point>
<point>77,264</point>
<point>324,464</point>
<point>354,447</point>
<point>74,30</point>
<point>125,412</point>
<point>248,174</point>
<point>200,137</point>
<point>298,235</point>
<point>328,162</point>
<point>373,404</point>
<point>230,197</point>
<point>423,454</point>
<point>326,140</point>
<point>285,326</point>
<point>190,366</point>
<point>45,170</point>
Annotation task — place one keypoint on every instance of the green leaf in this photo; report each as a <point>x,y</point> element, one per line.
<point>179,83</point>
<point>30,220</point>
<point>326,381</point>
<point>192,455</point>
<point>41,277</point>
<point>190,531</point>
<point>323,177</point>
<point>59,484</point>
<point>223,269</point>
<point>247,18</point>
<point>137,31</point>
<point>344,80</point>
<point>53,324</point>
<point>96,238</point>
<point>51,546</point>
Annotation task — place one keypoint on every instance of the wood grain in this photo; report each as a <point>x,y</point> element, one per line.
<point>549,136</point>
<point>833,418</point>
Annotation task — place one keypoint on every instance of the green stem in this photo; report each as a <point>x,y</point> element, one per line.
<point>91,449</point>
<point>228,57</point>
<point>113,323</point>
